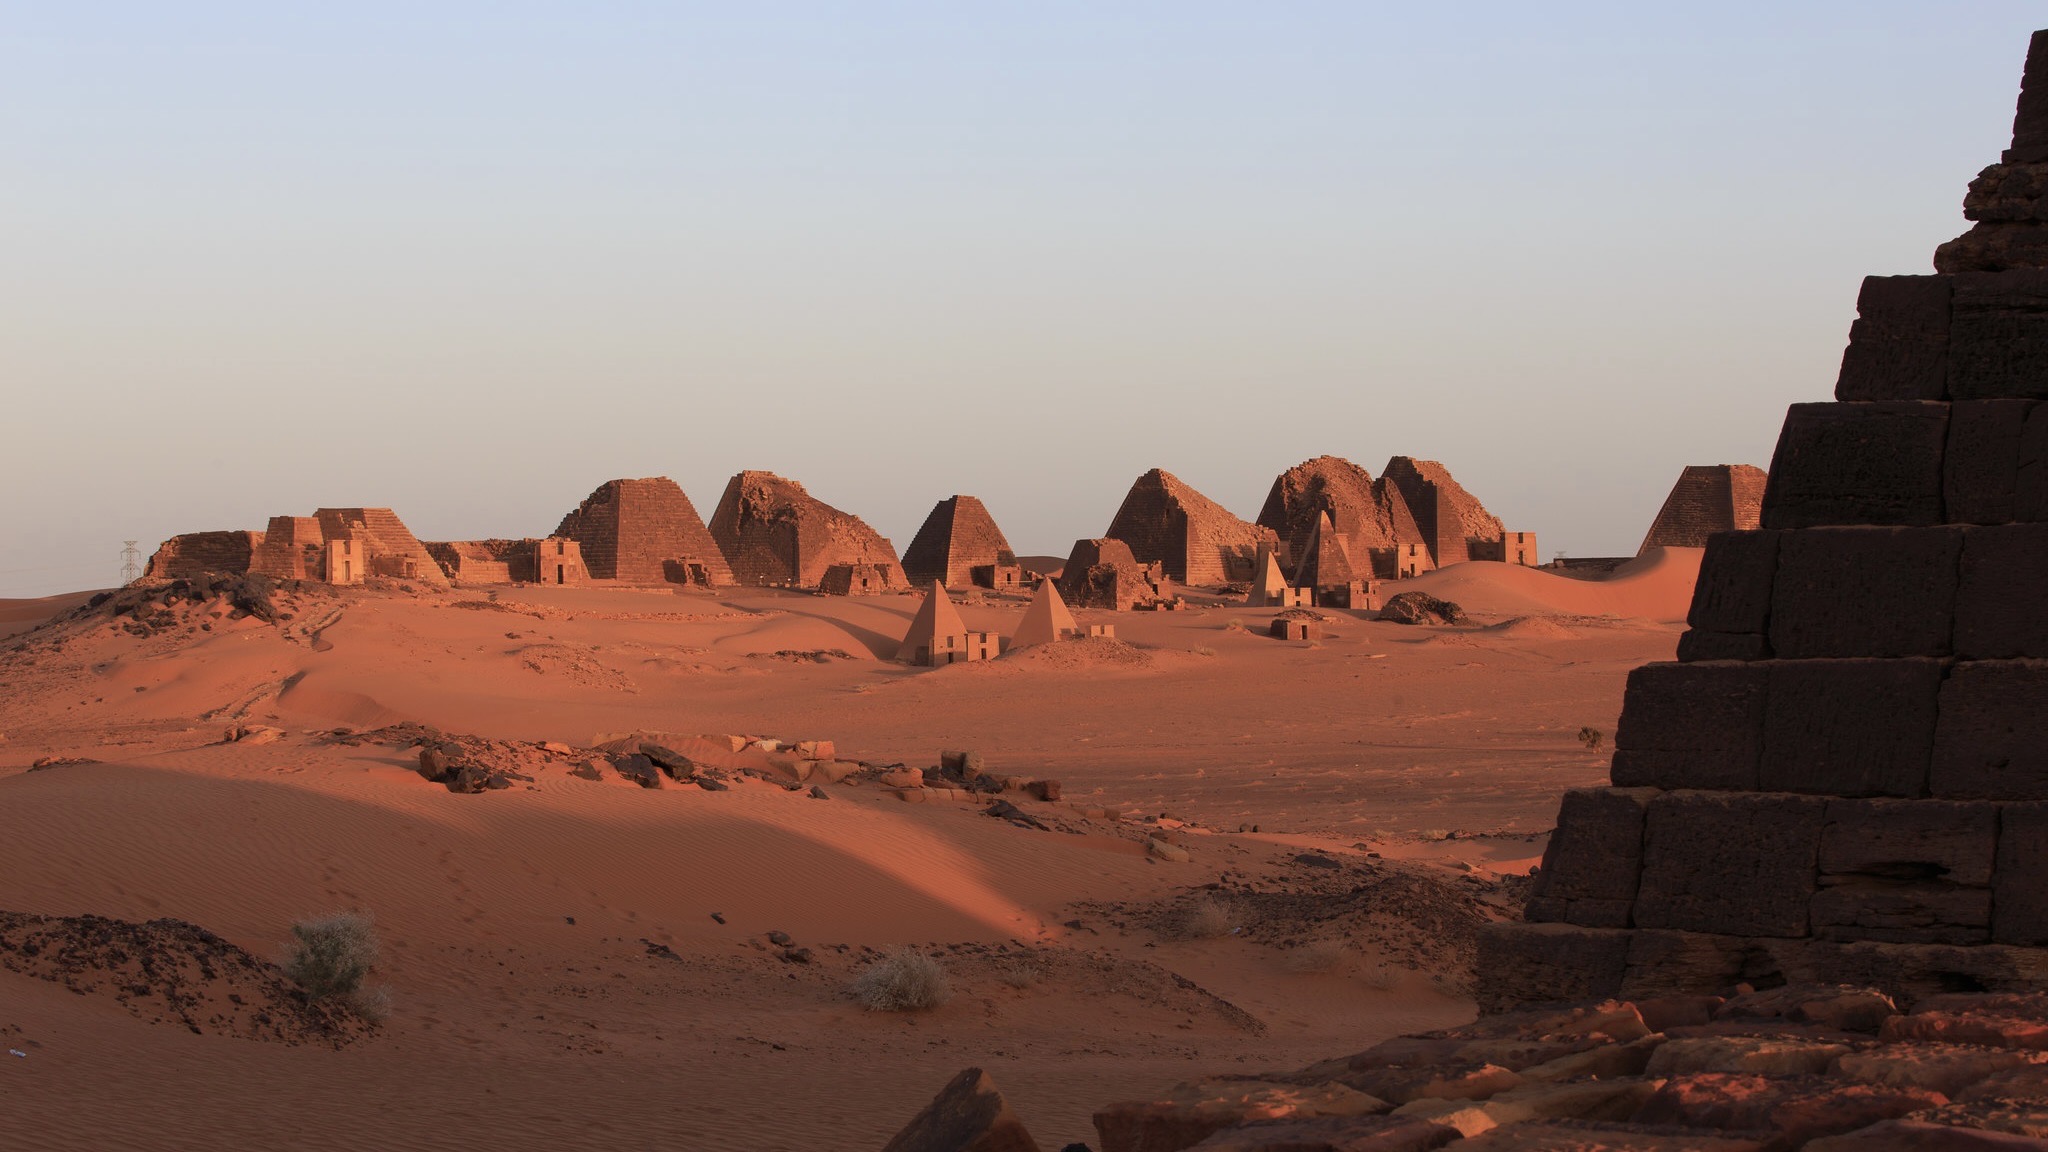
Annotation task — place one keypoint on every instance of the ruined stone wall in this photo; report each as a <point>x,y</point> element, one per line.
<point>958,537</point>
<point>1708,498</point>
<point>199,553</point>
<point>774,532</point>
<point>290,549</point>
<point>1103,573</point>
<point>1372,524</point>
<point>642,531</point>
<point>1844,776</point>
<point>1197,539</point>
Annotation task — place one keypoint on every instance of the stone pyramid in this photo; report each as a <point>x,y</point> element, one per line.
<point>1450,520</point>
<point>935,618</point>
<point>644,531</point>
<point>1046,620</point>
<point>774,532</point>
<point>1196,539</point>
<point>1327,559</point>
<point>1268,585</point>
<point>1708,498</point>
<point>1844,777</point>
<point>956,538</point>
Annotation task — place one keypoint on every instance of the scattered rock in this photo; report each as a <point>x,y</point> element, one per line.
<point>968,1115</point>
<point>1421,608</point>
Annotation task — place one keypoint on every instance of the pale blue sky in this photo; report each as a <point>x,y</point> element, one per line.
<point>471,260</point>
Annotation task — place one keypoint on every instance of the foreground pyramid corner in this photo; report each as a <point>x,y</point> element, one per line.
<point>1843,778</point>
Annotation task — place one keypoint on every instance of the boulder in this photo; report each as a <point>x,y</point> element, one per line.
<point>968,1115</point>
<point>1421,608</point>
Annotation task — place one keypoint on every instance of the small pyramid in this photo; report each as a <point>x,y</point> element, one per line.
<point>1046,621</point>
<point>1327,562</point>
<point>1269,587</point>
<point>936,618</point>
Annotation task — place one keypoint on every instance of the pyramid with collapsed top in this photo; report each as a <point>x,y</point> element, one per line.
<point>1844,776</point>
<point>1708,498</point>
<point>774,532</point>
<point>957,539</point>
<point>647,532</point>
<point>1196,539</point>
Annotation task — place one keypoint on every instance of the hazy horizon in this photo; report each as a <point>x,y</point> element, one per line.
<point>473,262</point>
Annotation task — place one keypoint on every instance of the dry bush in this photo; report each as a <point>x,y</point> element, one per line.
<point>1233,625</point>
<point>1018,973</point>
<point>1379,977</point>
<point>1317,956</point>
<point>331,956</point>
<point>1205,650</point>
<point>905,980</point>
<point>1201,918</point>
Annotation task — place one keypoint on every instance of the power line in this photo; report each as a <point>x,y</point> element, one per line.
<point>131,563</point>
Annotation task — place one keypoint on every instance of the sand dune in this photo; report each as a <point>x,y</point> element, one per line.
<point>586,963</point>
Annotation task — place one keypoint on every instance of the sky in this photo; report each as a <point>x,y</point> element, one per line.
<point>471,260</point>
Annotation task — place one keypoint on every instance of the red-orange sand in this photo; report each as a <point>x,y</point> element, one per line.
<point>529,1008</point>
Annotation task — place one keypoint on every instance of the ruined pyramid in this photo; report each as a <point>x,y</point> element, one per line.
<point>1708,498</point>
<point>1197,540</point>
<point>645,531</point>
<point>958,537</point>
<point>774,532</point>
<point>1844,777</point>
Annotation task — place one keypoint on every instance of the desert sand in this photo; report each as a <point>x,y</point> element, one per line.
<point>582,963</point>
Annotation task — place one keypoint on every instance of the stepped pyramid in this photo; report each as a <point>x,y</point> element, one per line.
<point>645,531</point>
<point>392,549</point>
<point>1844,777</point>
<point>956,538</point>
<point>1708,498</point>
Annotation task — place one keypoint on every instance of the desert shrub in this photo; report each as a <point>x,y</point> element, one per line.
<point>1591,738</point>
<point>331,957</point>
<point>1018,973</point>
<point>1379,977</point>
<point>1317,956</point>
<point>1233,625</point>
<point>905,980</point>
<point>1205,650</point>
<point>1199,919</point>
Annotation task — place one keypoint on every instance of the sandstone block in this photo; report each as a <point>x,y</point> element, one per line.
<point>1794,1110</point>
<point>1733,592</point>
<point>1945,1068</point>
<point>1764,1055</point>
<point>1857,463</point>
<point>2019,897</point>
<point>1991,741</point>
<point>1677,963</point>
<point>1695,645</point>
<point>1850,727</point>
<point>1571,1136</point>
<point>1843,1007</point>
<point>1334,1134</point>
<point>1930,912</point>
<point>2030,487</point>
<point>1595,854</point>
<point>1912,972</point>
<point>1540,963</point>
<point>1985,1030</point>
<point>1898,346</point>
<point>1742,864</point>
<point>1910,840</point>
<point>968,1115</point>
<point>1691,726</point>
<point>1194,1111</point>
<point>1865,592</point>
<point>1920,1136</point>
<point>1981,465</point>
<point>1998,593</point>
<point>1998,334</point>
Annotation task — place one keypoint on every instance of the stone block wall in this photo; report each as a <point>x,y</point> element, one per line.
<point>1844,776</point>
<point>644,531</point>
<point>199,553</point>
<point>958,537</point>
<point>1707,499</point>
